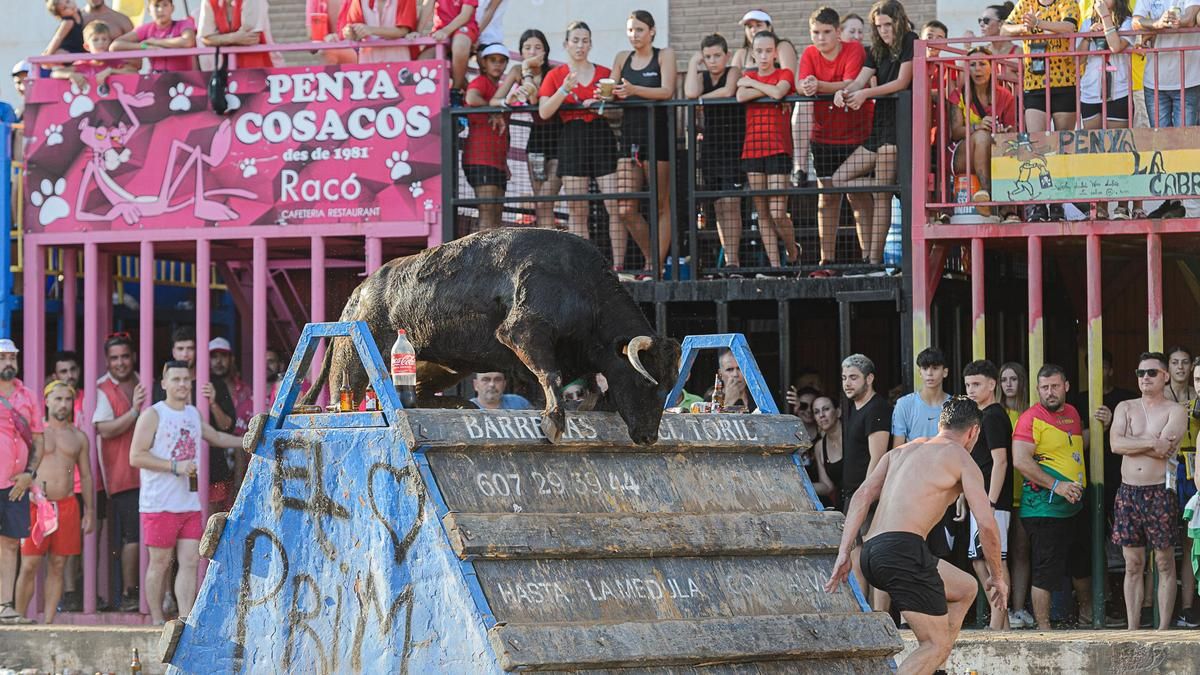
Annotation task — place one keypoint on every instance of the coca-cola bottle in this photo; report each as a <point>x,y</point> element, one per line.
<point>404,370</point>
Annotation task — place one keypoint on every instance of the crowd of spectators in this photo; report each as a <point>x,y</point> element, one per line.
<point>1034,459</point>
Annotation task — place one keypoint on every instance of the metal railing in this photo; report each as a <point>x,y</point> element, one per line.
<point>946,179</point>
<point>695,247</point>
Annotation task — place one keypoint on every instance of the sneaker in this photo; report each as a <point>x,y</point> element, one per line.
<point>1015,620</point>
<point>1175,210</point>
<point>130,602</point>
<point>10,617</point>
<point>71,602</point>
<point>1188,618</point>
<point>1036,213</point>
<point>1026,618</point>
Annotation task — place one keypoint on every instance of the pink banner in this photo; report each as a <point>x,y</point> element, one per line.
<point>297,146</point>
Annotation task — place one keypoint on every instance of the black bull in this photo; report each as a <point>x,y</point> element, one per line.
<point>533,302</point>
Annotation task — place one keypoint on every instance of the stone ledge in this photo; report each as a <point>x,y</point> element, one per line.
<point>1028,652</point>
<point>85,649</point>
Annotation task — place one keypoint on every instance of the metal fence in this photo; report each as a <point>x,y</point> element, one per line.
<point>718,215</point>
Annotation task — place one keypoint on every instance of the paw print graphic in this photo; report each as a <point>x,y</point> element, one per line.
<point>426,80</point>
<point>416,189</point>
<point>248,167</point>
<point>78,101</point>
<point>428,204</point>
<point>232,102</point>
<point>398,165</point>
<point>180,94</point>
<point>54,134</point>
<point>48,198</point>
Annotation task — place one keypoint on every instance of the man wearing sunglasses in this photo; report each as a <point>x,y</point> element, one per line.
<point>1146,433</point>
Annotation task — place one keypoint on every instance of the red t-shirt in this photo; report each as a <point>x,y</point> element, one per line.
<point>485,146</point>
<point>833,125</point>
<point>582,91</point>
<point>768,125</point>
<point>1004,106</point>
<point>448,10</point>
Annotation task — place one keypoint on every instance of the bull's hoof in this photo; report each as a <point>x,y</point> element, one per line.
<point>254,432</point>
<point>553,424</point>
<point>212,534</point>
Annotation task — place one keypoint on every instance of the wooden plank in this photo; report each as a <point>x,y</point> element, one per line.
<point>667,643</point>
<point>653,589</point>
<point>855,666</point>
<point>507,428</point>
<point>524,536</point>
<point>550,481</point>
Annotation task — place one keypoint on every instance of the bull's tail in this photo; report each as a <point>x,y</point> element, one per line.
<point>310,396</point>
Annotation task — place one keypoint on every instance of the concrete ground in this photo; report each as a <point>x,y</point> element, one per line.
<point>78,649</point>
<point>1028,652</point>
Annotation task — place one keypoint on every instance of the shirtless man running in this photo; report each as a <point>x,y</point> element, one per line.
<point>915,484</point>
<point>1146,433</point>
<point>66,447</point>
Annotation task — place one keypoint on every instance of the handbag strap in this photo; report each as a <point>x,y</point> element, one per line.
<point>19,422</point>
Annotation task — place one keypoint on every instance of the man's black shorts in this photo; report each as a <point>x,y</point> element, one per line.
<point>123,506</point>
<point>1058,547</point>
<point>14,516</point>
<point>900,564</point>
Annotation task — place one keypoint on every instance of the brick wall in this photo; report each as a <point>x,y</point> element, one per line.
<point>289,24</point>
<point>691,20</point>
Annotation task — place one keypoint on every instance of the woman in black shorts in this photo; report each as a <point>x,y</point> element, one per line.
<point>787,57</point>
<point>889,61</point>
<point>710,76</point>
<point>587,146</point>
<point>641,77</point>
<point>520,88</point>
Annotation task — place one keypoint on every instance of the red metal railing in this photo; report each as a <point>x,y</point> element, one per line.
<point>936,187</point>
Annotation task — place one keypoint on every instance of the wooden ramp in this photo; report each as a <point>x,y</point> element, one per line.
<point>464,542</point>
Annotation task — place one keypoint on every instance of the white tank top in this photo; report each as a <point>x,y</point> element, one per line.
<point>177,438</point>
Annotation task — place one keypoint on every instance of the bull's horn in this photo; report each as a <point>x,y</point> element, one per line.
<point>633,349</point>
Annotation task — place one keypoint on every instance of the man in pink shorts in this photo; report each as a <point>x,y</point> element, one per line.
<point>166,441</point>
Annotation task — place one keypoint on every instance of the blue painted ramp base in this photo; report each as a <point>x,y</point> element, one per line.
<point>439,541</point>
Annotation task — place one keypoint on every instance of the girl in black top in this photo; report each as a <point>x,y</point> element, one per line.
<point>723,126</point>
<point>645,73</point>
<point>519,89</point>
<point>889,61</point>
<point>68,39</point>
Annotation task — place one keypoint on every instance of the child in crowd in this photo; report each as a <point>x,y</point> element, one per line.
<point>453,20</point>
<point>1104,87</point>
<point>519,89</point>
<point>68,39</point>
<point>485,154</point>
<point>710,75</point>
<point>853,28</point>
<point>163,32</point>
<point>97,37</point>
<point>827,66</point>
<point>767,148</point>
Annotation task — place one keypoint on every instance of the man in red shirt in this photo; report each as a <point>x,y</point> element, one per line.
<point>118,404</point>
<point>21,427</point>
<point>827,66</point>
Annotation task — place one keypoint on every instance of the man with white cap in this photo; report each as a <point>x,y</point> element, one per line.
<point>21,427</point>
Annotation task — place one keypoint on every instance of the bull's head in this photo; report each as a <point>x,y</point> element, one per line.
<point>640,372</point>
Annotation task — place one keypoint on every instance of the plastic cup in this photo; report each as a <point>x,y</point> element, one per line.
<point>606,88</point>
<point>318,26</point>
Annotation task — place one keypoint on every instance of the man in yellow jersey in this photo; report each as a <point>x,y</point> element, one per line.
<point>1048,450</point>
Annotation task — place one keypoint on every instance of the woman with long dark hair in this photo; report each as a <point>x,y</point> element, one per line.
<point>587,145</point>
<point>989,109</point>
<point>889,61</point>
<point>645,73</point>
<point>520,88</point>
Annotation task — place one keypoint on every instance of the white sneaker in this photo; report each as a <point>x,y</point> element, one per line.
<point>1015,621</point>
<point>1027,618</point>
